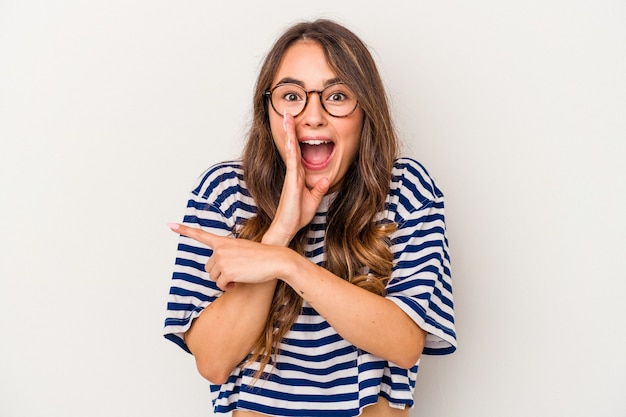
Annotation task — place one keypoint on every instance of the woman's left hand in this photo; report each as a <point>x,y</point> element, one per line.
<point>237,260</point>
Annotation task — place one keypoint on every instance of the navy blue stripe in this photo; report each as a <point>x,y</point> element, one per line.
<point>401,371</point>
<point>209,223</point>
<point>413,225</point>
<point>192,279</point>
<point>286,366</point>
<point>418,261</point>
<point>190,263</point>
<point>368,383</point>
<point>430,269</point>
<point>309,311</point>
<point>198,205</point>
<point>206,252</point>
<point>302,382</point>
<point>180,307</point>
<point>187,293</point>
<point>177,322</point>
<point>177,340</point>
<point>424,244</point>
<point>407,284</point>
<point>299,397</point>
<point>317,357</point>
<point>310,327</point>
<point>313,343</point>
<point>314,253</point>
<point>374,364</point>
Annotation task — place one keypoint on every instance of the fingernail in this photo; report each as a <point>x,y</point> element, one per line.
<point>173,226</point>
<point>285,122</point>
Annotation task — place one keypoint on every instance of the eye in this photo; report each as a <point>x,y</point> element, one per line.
<point>337,94</point>
<point>288,93</point>
<point>336,97</point>
<point>291,96</point>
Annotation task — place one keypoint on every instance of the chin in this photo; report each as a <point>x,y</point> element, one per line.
<point>311,180</point>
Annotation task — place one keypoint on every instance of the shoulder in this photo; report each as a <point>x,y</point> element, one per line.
<point>411,178</point>
<point>218,178</point>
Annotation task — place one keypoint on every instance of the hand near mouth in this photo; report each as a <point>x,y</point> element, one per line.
<point>297,204</point>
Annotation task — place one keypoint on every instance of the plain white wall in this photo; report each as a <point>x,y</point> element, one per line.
<point>110,109</point>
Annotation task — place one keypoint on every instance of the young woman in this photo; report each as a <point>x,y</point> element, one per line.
<point>312,274</point>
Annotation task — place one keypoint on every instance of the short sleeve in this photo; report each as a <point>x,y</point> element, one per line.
<point>191,289</point>
<point>421,282</point>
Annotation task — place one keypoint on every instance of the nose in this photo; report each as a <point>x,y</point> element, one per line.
<point>313,113</point>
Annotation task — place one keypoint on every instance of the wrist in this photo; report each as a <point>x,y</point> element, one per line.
<point>276,239</point>
<point>290,265</point>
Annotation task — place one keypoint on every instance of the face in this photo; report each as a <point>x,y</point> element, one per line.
<point>328,144</point>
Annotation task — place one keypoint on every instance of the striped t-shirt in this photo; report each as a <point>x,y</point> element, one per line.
<point>316,372</point>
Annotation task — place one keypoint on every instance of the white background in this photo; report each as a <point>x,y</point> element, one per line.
<point>109,110</point>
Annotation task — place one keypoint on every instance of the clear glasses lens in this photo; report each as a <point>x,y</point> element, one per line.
<point>336,99</point>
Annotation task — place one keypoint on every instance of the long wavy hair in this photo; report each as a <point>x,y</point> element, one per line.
<point>356,244</point>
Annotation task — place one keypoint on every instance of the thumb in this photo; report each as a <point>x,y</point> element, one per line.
<point>320,189</point>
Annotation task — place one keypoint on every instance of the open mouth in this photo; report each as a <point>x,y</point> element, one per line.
<point>316,153</point>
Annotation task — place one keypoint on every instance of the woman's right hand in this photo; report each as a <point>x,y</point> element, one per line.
<point>297,204</point>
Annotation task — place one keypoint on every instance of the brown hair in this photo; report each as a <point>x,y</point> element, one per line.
<point>356,245</point>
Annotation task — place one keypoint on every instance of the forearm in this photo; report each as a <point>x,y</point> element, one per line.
<point>368,321</point>
<point>225,332</point>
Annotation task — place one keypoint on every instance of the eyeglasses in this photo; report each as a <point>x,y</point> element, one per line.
<point>336,99</point>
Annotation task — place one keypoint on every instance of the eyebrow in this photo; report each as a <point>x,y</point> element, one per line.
<point>289,80</point>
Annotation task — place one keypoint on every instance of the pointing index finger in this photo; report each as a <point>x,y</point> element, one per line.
<point>194,233</point>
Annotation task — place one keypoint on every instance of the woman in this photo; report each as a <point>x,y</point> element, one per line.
<point>338,278</point>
